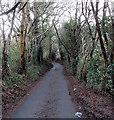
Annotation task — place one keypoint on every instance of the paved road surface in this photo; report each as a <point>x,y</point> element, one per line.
<point>50,99</point>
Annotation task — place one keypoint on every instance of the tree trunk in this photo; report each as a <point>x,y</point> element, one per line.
<point>5,68</point>
<point>22,43</point>
<point>103,23</point>
<point>50,49</point>
<point>99,33</point>
<point>112,52</point>
<point>40,55</point>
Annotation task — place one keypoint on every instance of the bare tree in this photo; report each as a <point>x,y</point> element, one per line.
<point>95,13</point>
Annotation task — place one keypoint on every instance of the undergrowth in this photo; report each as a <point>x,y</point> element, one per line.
<point>16,80</point>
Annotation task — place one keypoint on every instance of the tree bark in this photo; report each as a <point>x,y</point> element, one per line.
<point>99,32</point>
<point>5,68</point>
<point>103,23</point>
<point>50,48</point>
<point>22,43</point>
<point>112,52</point>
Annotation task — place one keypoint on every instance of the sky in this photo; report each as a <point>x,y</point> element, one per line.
<point>55,0</point>
<point>69,5</point>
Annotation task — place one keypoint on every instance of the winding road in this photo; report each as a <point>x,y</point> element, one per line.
<point>50,98</point>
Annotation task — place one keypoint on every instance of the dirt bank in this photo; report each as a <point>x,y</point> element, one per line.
<point>90,102</point>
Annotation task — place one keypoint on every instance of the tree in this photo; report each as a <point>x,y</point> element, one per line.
<point>112,51</point>
<point>22,41</point>
<point>95,13</point>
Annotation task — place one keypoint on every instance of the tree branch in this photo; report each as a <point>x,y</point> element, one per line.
<point>60,38</point>
<point>13,8</point>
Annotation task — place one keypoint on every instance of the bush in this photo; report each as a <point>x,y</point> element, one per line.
<point>98,76</point>
<point>33,70</point>
<point>68,66</point>
<point>95,73</point>
<point>13,80</point>
<point>14,57</point>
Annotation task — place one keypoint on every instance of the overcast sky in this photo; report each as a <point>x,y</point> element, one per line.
<point>69,5</point>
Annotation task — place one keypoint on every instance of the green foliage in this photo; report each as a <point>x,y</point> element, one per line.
<point>34,56</point>
<point>107,26</point>
<point>109,73</point>
<point>94,73</point>
<point>80,65</point>
<point>49,33</point>
<point>14,57</point>
<point>97,74</point>
<point>32,71</point>
<point>68,66</point>
<point>13,80</point>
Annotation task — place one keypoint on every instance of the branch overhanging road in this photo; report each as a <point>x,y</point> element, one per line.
<point>50,98</point>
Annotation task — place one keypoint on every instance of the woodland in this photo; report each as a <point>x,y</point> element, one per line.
<point>77,34</point>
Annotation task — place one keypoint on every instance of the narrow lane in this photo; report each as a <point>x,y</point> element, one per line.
<point>50,99</point>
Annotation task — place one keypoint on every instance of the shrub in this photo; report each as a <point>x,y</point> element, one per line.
<point>33,70</point>
<point>98,76</point>
<point>13,80</point>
